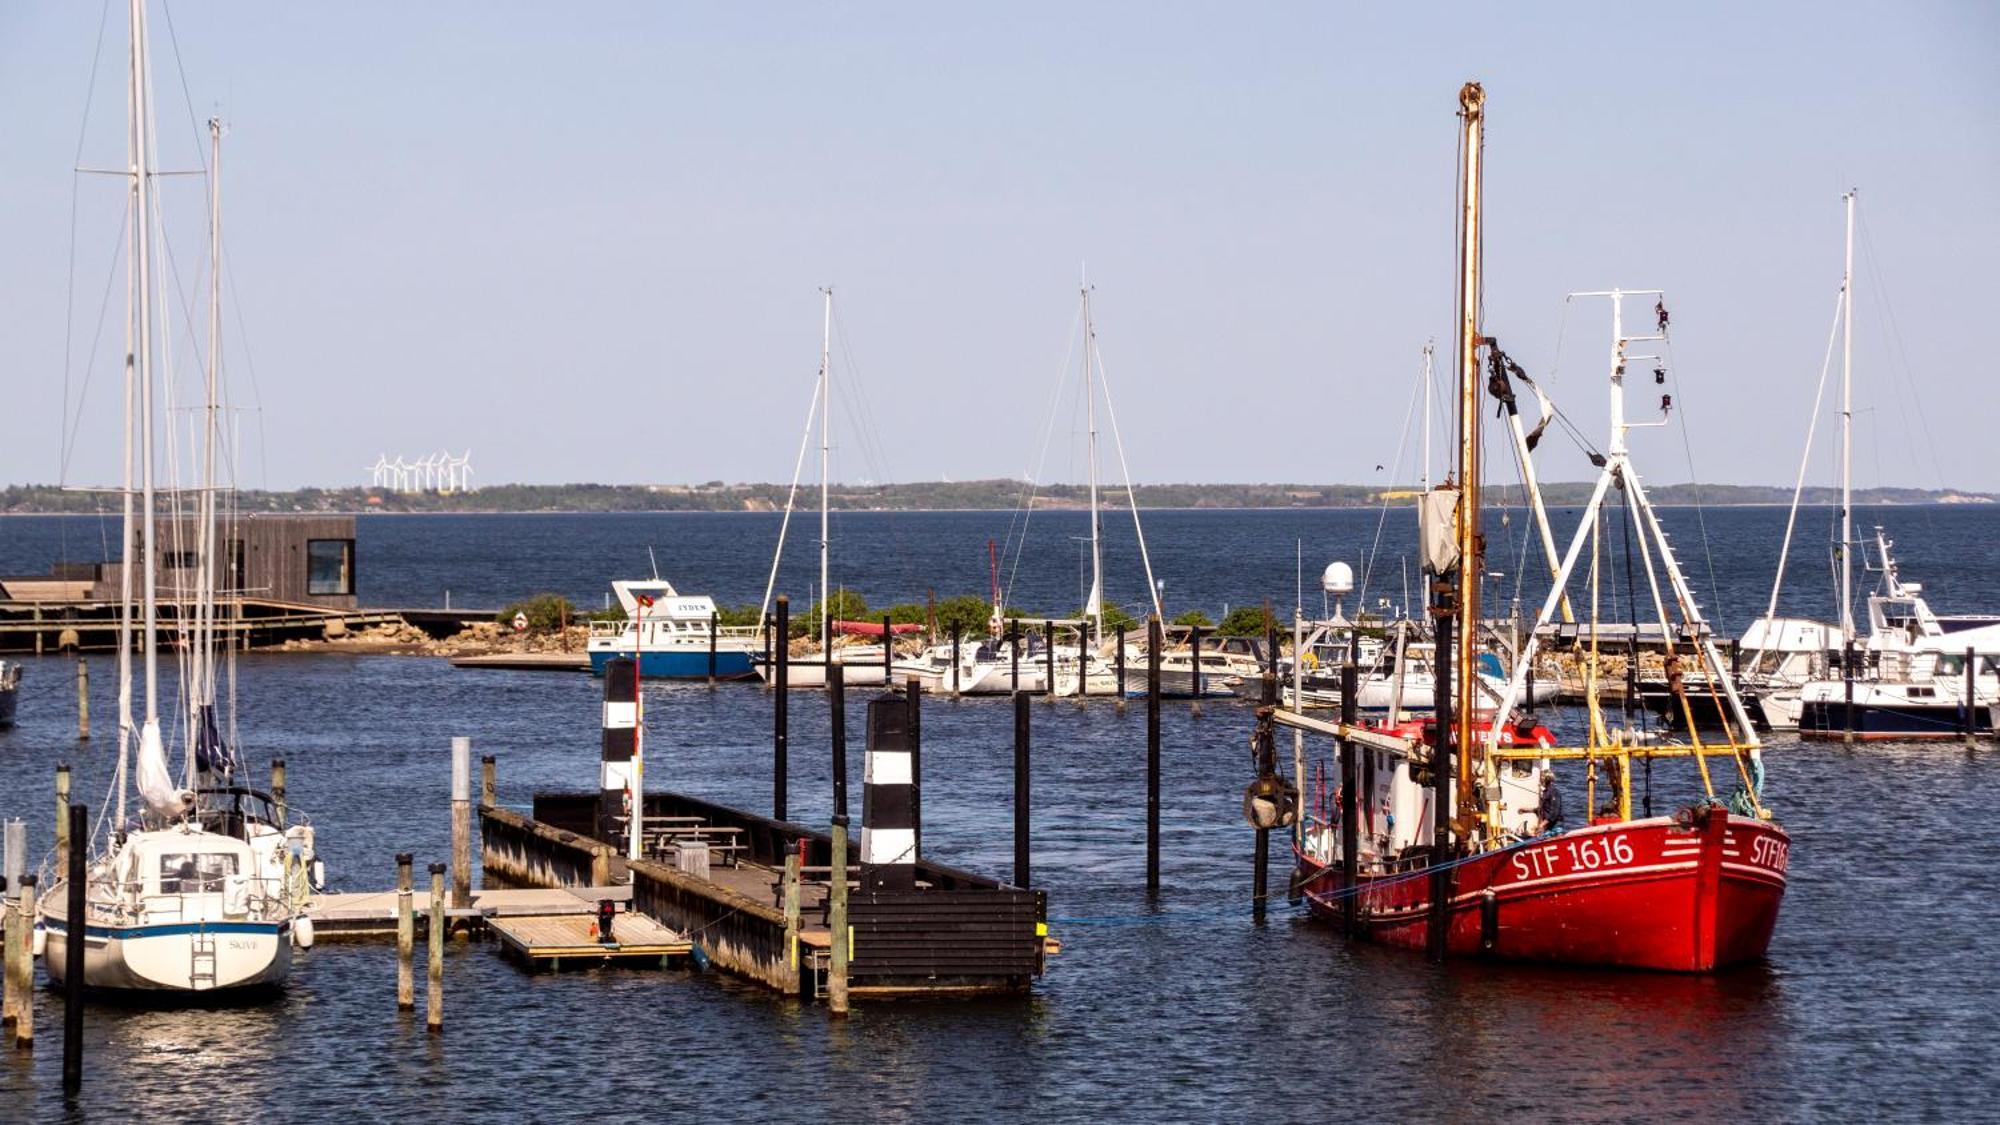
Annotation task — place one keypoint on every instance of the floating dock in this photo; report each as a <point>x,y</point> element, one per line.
<point>571,940</point>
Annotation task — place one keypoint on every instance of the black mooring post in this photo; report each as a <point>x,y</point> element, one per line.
<point>767,649</point>
<point>1082,662</point>
<point>1847,685</point>
<point>1735,658</point>
<point>1049,657</point>
<point>1014,651</point>
<point>1194,647</point>
<point>1122,689</point>
<point>888,653</point>
<point>73,929</point>
<point>1971,688</point>
<point>713,620</point>
<point>1021,789</point>
<point>1441,786</point>
<point>1153,641</point>
<point>781,714</point>
<point>1260,877</point>
<point>1350,805</point>
<point>836,706</point>
<point>955,665</point>
<point>914,700</point>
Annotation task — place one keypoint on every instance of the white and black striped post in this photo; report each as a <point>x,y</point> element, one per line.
<point>890,837</point>
<point>620,782</point>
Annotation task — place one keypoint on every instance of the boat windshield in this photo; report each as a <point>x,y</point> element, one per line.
<point>195,872</point>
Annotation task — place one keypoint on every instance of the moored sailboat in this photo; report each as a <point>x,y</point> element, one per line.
<point>201,891</point>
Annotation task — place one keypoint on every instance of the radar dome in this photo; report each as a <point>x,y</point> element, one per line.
<point>1337,579</point>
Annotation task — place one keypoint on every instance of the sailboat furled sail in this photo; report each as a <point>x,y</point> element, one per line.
<point>163,797</point>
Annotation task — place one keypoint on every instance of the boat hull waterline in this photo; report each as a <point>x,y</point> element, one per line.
<point>1663,894</point>
<point>159,957</point>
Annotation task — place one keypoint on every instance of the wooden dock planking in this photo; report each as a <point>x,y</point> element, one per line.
<point>548,941</point>
<point>373,913</point>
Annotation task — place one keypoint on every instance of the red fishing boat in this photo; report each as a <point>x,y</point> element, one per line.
<point>1457,844</point>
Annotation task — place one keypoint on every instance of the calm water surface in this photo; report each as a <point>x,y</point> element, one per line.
<point>1878,999</point>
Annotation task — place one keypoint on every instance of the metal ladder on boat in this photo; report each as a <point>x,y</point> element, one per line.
<point>201,961</point>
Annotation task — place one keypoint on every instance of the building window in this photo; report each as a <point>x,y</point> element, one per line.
<point>329,566</point>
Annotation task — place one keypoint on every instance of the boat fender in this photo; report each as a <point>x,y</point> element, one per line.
<point>1489,920</point>
<point>302,932</point>
<point>698,958</point>
<point>1270,802</point>
<point>39,944</point>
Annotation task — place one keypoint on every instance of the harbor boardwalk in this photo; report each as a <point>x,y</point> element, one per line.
<point>952,933</point>
<point>372,914</point>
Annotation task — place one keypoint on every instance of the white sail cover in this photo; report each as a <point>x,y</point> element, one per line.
<point>156,781</point>
<point>1437,529</point>
<point>1095,605</point>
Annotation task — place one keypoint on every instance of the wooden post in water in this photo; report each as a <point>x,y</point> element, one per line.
<point>1350,804</point>
<point>1021,873</point>
<point>488,790</point>
<point>836,914</point>
<point>62,816</point>
<point>9,952</point>
<point>1439,924</point>
<point>278,787</point>
<point>888,653</point>
<point>73,921</point>
<point>434,984</point>
<point>461,822</point>
<point>21,970</point>
<point>406,937</point>
<point>955,665</point>
<point>1049,658</point>
<point>713,620</point>
<point>82,699</point>
<point>781,712</point>
<point>1154,637</point>
<point>790,888</point>
<point>836,706</point>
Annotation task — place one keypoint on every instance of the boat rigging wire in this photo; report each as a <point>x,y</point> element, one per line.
<point>1395,471</point>
<point>1805,459</point>
<point>1031,484</point>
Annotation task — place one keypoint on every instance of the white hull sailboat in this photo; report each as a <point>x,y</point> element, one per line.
<point>201,892</point>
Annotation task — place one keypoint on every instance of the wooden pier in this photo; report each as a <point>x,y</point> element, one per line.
<point>571,940</point>
<point>372,914</point>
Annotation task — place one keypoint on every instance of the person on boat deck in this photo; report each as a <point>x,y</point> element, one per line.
<point>1550,811</point>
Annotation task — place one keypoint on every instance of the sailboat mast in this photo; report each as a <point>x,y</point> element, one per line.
<point>1095,608</point>
<point>1429,347</point>
<point>143,206</point>
<point>203,697</point>
<point>825,459</point>
<point>1471,565</point>
<point>1847,436</point>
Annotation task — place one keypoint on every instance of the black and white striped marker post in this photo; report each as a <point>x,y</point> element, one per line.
<point>890,840</point>
<point>623,770</point>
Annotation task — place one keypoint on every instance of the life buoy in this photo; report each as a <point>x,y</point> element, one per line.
<point>1311,660</point>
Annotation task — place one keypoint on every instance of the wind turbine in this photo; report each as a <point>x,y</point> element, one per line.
<point>378,470</point>
<point>465,471</point>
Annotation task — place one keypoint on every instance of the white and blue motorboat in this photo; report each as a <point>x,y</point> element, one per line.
<point>672,636</point>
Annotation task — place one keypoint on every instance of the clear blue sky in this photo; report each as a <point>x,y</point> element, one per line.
<point>586,241</point>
